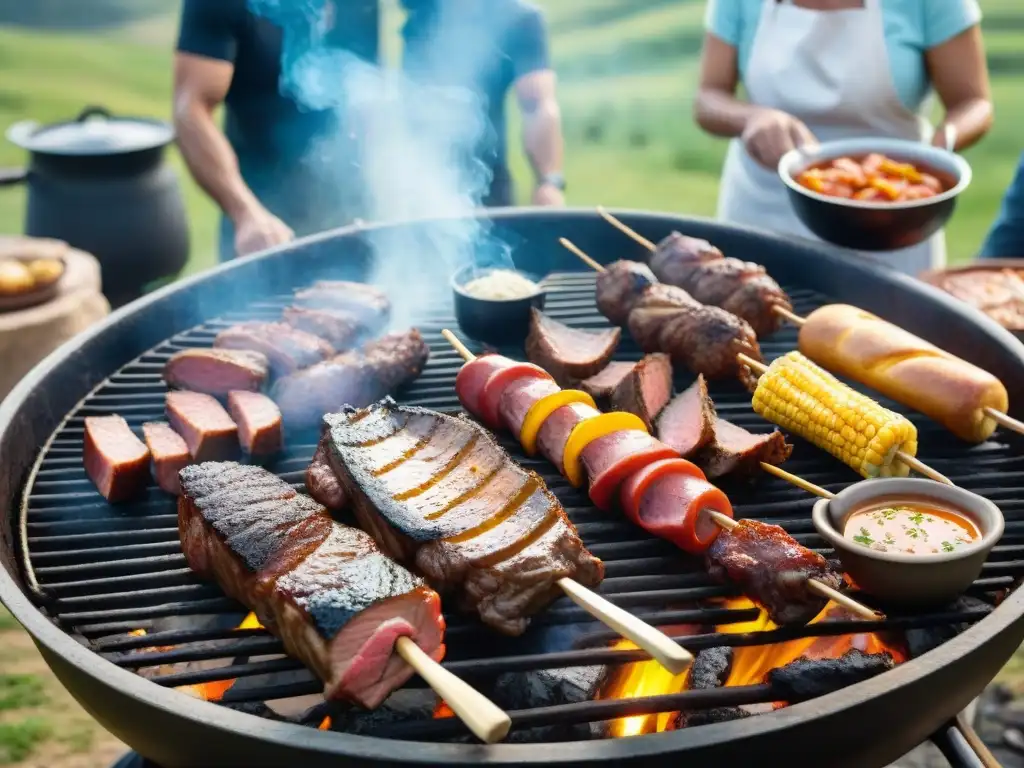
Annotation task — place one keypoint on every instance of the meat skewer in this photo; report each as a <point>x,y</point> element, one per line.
<point>879,340</point>
<point>656,472</point>
<point>894,448</point>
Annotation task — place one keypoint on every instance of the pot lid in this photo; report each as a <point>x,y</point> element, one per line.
<point>94,132</point>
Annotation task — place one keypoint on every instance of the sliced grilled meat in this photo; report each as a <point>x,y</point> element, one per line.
<point>338,328</point>
<point>772,569</point>
<point>646,389</point>
<point>601,385</point>
<point>688,422</point>
<point>216,371</point>
<point>170,454</point>
<point>619,287</point>
<point>737,451</point>
<point>321,482</point>
<point>568,354</point>
<point>439,492</point>
<point>325,589</point>
<point>206,427</point>
<point>368,304</point>
<point>259,422</point>
<point>286,347</point>
<point>739,287</point>
<point>115,459</point>
<point>354,378</point>
<point>808,678</point>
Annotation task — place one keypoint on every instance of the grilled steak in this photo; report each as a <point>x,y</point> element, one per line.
<point>325,589</point>
<point>216,371</point>
<point>206,427</point>
<point>688,421</point>
<point>439,492</point>
<point>286,347</point>
<point>339,329</point>
<point>259,422</point>
<point>321,482</point>
<point>646,389</point>
<point>115,459</point>
<point>368,304</point>
<point>737,451</point>
<point>355,378</point>
<point>601,385</point>
<point>170,454</point>
<point>808,678</point>
<point>772,569</point>
<point>620,286</point>
<point>568,354</point>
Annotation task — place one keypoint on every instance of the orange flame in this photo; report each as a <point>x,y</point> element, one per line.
<point>442,710</point>
<point>325,724</point>
<point>750,664</point>
<point>215,690</point>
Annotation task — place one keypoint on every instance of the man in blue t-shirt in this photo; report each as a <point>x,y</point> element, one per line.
<point>278,169</point>
<point>1006,238</point>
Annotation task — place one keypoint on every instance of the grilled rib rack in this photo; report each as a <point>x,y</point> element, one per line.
<point>82,575</point>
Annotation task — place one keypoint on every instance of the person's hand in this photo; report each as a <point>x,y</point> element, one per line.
<point>548,194</point>
<point>258,230</point>
<point>770,134</point>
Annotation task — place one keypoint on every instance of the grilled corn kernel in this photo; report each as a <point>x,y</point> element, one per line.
<point>801,397</point>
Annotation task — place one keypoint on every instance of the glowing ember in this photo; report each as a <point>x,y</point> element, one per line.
<point>325,724</point>
<point>442,710</point>
<point>214,691</point>
<point>137,633</point>
<point>250,622</point>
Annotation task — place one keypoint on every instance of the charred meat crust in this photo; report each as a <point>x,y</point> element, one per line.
<point>645,389</point>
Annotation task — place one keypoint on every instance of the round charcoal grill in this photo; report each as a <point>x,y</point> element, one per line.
<point>83,576</point>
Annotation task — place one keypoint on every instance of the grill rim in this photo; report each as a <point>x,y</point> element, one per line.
<point>76,664</point>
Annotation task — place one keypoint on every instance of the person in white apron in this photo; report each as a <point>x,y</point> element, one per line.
<point>830,70</point>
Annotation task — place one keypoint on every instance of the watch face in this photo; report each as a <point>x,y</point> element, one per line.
<point>555,180</point>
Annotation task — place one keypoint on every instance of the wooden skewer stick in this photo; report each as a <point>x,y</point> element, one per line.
<point>626,229</point>
<point>727,523</point>
<point>569,245</point>
<point>911,461</point>
<point>796,480</point>
<point>487,722</point>
<point>660,646</point>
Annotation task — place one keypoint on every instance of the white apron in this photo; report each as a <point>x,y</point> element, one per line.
<point>829,69</point>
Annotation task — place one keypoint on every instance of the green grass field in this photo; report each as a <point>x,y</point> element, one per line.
<point>627,68</point>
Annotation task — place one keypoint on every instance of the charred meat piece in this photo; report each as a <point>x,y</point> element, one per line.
<point>259,422</point>
<point>206,427</point>
<point>620,286</point>
<point>325,589</point>
<point>568,354</point>
<point>710,669</point>
<point>736,451</point>
<point>739,287</point>
<point>354,378</point>
<point>809,678</point>
<point>437,491</point>
<point>287,348</point>
<point>216,371</point>
<point>601,385</point>
<point>321,482</point>
<point>115,459</point>
<point>338,328</point>
<point>646,389</point>
<point>170,454</point>
<point>688,422</point>
<point>772,569</point>
<point>369,305</point>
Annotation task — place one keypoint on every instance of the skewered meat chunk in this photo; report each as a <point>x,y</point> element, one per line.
<point>619,287</point>
<point>216,371</point>
<point>259,422</point>
<point>646,389</point>
<point>325,589</point>
<point>206,427</point>
<point>438,491</point>
<point>338,328</point>
<point>170,454</point>
<point>688,422</point>
<point>737,451</point>
<point>369,305</point>
<point>115,459</point>
<point>808,678</point>
<point>739,287</point>
<point>568,354</point>
<point>601,385</point>
<point>287,348</point>
<point>772,569</point>
<point>321,482</point>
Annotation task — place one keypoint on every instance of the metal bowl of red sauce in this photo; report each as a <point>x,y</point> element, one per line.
<point>874,194</point>
<point>909,542</point>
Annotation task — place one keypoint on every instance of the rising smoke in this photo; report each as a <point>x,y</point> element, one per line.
<point>419,146</point>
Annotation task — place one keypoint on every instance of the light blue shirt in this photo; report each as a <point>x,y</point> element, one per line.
<point>911,28</point>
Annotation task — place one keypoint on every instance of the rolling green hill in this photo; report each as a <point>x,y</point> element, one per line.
<point>627,78</point>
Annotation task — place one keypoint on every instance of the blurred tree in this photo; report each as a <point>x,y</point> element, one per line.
<point>80,14</point>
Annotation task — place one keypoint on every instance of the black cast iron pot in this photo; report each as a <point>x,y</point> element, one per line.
<point>100,183</point>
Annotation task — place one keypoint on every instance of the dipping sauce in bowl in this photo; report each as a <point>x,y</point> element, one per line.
<point>501,285</point>
<point>493,305</point>
<point>911,527</point>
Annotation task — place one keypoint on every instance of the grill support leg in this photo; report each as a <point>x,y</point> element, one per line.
<point>962,747</point>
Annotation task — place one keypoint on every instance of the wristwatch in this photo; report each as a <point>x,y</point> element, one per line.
<point>556,180</point>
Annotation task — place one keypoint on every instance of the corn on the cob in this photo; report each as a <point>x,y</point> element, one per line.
<point>800,397</point>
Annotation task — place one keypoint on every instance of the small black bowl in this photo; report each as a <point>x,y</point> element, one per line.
<point>493,321</point>
<point>875,226</point>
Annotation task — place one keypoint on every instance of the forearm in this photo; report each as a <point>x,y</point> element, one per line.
<point>972,119</point>
<point>542,138</point>
<point>721,113</point>
<point>212,161</point>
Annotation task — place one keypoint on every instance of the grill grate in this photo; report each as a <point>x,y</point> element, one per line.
<point>103,572</point>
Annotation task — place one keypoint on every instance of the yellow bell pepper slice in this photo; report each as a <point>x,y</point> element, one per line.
<point>539,412</point>
<point>586,432</point>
